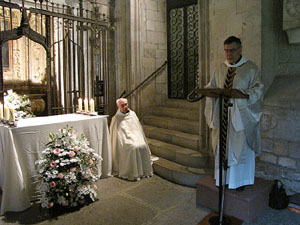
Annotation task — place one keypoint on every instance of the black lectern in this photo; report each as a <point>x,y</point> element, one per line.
<point>198,94</point>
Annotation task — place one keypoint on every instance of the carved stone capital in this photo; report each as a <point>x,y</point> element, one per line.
<point>291,20</point>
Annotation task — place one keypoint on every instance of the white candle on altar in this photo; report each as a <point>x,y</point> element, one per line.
<point>86,105</point>
<point>6,113</point>
<point>12,114</point>
<point>92,105</point>
<point>1,111</point>
<point>80,104</point>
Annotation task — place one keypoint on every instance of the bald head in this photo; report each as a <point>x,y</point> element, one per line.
<point>122,104</point>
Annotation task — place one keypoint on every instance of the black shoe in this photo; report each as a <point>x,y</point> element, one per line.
<point>240,188</point>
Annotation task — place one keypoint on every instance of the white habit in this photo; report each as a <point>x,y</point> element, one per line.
<point>130,151</point>
<point>243,137</point>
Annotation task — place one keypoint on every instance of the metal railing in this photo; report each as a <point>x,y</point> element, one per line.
<point>124,95</point>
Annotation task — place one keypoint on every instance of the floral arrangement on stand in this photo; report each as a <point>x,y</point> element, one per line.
<point>21,104</point>
<point>68,170</point>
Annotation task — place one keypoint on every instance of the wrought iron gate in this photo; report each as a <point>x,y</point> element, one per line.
<point>76,44</point>
<point>182,20</point>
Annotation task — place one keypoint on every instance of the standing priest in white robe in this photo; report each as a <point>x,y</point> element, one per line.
<point>130,151</point>
<point>243,130</point>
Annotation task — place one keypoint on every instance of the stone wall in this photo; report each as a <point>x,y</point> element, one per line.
<point>241,18</point>
<point>280,122</point>
<point>155,49</point>
<point>280,158</point>
<point>141,46</point>
<point>289,54</point>
<point>278,56</point>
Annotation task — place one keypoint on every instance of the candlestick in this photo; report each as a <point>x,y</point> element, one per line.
<point>6,113</point>
<point>92,105</point>
<point>1,110</point>
<point>12,114</point>
<point>79,104</point>
<point>86,105</point>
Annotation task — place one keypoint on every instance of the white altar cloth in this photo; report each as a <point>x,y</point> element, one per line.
<point>21,146</point>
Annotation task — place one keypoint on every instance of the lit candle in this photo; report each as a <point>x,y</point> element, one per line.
<point>86,105</point>
<point>92,105</point>
<point>1,110</point>
<point>12,114</point>
<point>80,104</point>
<point>6,113</point>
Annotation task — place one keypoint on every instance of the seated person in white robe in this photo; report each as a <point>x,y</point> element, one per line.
<point>243,133</point>
<point>131,156</point>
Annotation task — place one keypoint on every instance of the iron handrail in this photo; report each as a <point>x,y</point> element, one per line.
<point>142,83</point>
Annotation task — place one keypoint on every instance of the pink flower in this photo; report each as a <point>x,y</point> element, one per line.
<point>86,183</point>
<point>71,154</point>
<point>52,164</point>
<point>76,148</point>
<point>73,169</point>
<point>91,162</point>
<point>60,175</point>
<point>56,151</point>
<point>50,204</point>
<point>52,184</point>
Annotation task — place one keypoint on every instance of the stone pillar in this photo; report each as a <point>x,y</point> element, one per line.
<point>128,47</point>
<point>140,48</point>
<point>136,38</point>
<point>204,69</point>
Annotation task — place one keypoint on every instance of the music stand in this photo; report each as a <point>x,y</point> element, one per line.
<point>221,93</point>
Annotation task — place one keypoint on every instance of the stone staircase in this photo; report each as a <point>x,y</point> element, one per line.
<point>173,135</point>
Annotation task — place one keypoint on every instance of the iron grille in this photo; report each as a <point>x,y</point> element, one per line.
<point>76,44</point>
<point>182,20</point>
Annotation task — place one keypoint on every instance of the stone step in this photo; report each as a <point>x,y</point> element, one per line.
<point>172,124</point>
<point>245,205</point>
<point>177,154</point>
<point>190,114</point>
<point>178,173</point>
<point>181,104</point>
<point>172,137</point>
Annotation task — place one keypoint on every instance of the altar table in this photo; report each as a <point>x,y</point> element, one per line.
<point>21,146</point>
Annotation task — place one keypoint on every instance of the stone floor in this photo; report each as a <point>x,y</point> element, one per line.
<point>148,201</point>
<point>151,201</point>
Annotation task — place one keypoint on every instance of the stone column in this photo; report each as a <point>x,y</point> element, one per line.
<point>204,67</point>
<point>136,38</point>
<point>128,49</point>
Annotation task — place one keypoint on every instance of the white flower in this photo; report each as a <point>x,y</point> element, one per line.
<point>75,185</point>
<point>44,187</point>
<point>20,103</point>
<point>61,199</point>
<point>74,204</point>
<point>44,204</point>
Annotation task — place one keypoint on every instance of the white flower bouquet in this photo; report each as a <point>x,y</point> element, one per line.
<point>21,104</point>
<point>68,170</point>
